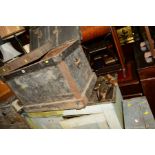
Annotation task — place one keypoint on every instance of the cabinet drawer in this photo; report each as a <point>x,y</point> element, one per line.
<point>131,89</point>
<point>147,72</point>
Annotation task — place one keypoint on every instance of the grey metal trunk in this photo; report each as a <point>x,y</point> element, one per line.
<point>61,79</point>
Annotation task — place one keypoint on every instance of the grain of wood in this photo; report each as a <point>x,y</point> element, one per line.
<point>99,116</point>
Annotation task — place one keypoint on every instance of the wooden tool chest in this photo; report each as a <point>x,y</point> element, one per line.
<point>61,78</point>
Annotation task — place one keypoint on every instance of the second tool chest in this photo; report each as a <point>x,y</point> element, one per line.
<point>60,79</point>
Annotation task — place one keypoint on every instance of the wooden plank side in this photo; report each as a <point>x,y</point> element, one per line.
<point>44,122</point>
<point>93,109</point>
<point>94,121</point>
<point>87,118</point>
<point>111,117</point>
<point>118,106</point>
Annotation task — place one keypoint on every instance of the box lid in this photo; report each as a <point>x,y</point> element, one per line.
<point>57,35</point>
<point>42,40</point>
<point>53,57</point>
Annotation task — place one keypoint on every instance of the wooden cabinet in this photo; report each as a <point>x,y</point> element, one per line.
<point>147,78</point>
<point>103,50</point>
<point>5,91</point>
<point>130,86</point>
<point>146,73</point>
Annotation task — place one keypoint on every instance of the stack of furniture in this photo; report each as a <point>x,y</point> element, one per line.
<point>56,76</point>
<point>56,86</point>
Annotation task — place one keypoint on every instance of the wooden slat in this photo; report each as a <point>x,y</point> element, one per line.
<point>118,47</point>
<point>94,121</point>
<point>100,115</point>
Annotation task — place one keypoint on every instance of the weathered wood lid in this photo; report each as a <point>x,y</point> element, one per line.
<point>42,40</point>
<point>51,58</point>
<point>57,35</point>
